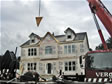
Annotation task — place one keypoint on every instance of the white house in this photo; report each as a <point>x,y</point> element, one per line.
<point>49,54</point>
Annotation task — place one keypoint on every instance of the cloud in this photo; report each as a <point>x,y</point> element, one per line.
<point>18,20</point>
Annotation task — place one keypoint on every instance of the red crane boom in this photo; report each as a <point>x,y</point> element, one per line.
<point>104,15</point>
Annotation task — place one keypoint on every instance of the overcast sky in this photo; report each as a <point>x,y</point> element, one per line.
<point>17,20</point>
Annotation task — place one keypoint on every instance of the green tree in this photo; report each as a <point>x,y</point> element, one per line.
<point>108,42</point>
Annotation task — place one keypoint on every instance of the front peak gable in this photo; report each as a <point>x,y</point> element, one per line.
<point>34,38</point>
<point>70,34</point>
<point>32,35</point>
<point>48,38</point>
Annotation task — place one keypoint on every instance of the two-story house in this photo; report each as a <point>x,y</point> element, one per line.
<point>49,54</point>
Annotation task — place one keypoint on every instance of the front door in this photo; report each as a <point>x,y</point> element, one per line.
<point>49,68</point>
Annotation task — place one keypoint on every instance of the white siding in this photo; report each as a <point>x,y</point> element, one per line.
<point>48,41</point>
<point>58,58</point>
<point>70,33</point>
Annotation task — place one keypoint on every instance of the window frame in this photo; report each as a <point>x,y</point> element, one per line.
<point>48,50</point>
<point>69,49</point>
<point>65,49</point>
<point>32,51</point>
<point>32,40</point>
<point>70,66</point>
<point>73,48</point>
<point>69,36</point>
<point>32,66</point>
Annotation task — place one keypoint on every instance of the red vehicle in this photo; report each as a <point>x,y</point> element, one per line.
<point>98,64</point>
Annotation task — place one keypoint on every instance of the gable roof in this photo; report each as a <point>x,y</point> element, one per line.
<point>79,36</point>
<point>58,38</point>
<point>48,33</point>
<point>27,44</point>
<point>35,35</point>
<point>70,30</point>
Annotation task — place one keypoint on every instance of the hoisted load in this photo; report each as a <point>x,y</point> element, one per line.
<point>39,18</point>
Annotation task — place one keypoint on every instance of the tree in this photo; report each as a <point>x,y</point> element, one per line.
<point>90,49</point>
<point>108,42</point>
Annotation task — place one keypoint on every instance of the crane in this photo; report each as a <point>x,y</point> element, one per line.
<point>102,12</point>
<point>98,8</point>
<point>98,64</point>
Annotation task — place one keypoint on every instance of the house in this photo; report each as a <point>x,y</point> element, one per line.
<point>51,54</point>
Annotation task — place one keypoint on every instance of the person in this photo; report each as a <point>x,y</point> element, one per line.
<point>60,73</point>
<point>36,76</point>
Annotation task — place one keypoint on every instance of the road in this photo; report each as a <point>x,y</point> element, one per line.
<point>67,82</point>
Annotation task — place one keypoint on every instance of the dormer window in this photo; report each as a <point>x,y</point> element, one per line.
<point>33,41</point>
<point>34,38</point>
<point>69,37</point>
<point>70,34</point>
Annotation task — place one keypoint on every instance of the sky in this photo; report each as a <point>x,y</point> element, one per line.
<point>17,20</point>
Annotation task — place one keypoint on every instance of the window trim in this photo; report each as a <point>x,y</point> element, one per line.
<point>32,40</point>
<point>69,36</point>
<point>70,66</point>
<point>32,66</point>
<point>48,50</point>
<point>69,49</point>
<point>32,51</point>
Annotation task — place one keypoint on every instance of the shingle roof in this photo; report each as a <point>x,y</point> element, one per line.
<point>70,30</point>
<point>60,38</point>
<point>32,34</point>
<point>26,43</point>
<point>79,36</point>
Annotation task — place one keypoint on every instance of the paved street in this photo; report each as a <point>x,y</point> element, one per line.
<point>5,82</point>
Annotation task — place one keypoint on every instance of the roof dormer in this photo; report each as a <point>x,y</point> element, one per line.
<point>70,34</point>
<point>34,38</point>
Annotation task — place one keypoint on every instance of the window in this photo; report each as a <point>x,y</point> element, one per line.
<point>33,41</point>
<point>73,48</point>
<point>28,66</point>
<point>69,49</point>
<point>65,49</point>
<point>70,66</point>
<point>81,48</point>
<point>28,52</point>
<point>69,37</point>
<point>48,50</point>
<point>32,52</point>
<point>66,66</point>
<point>35,66</point>
<point>73,65</point>
<point>31,66</point>
<point>35,51</point>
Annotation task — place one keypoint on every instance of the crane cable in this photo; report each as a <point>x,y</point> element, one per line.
<point>39,6</point>
<point>39,18</point>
